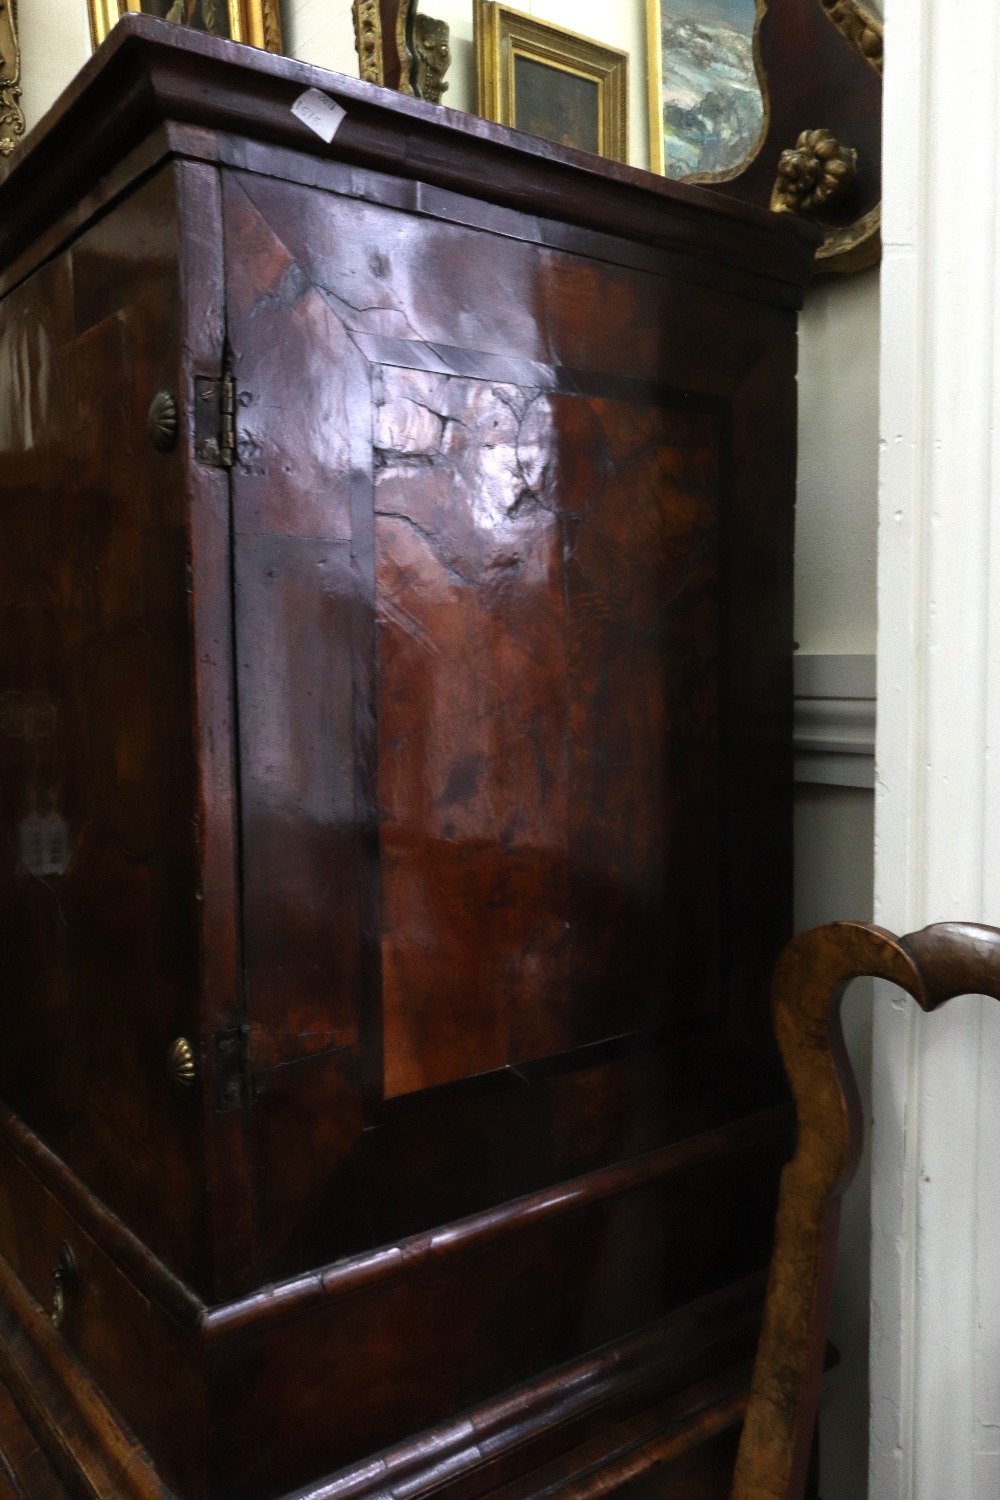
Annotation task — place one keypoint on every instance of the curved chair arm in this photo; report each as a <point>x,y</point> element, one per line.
<point>933,965</point>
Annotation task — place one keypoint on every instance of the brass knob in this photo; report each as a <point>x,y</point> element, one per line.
<point>64,1279</point>
<point>163,422</point>
<point>181,1065</point>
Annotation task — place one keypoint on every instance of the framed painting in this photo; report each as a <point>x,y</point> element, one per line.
<point>11,113</point>
<point>257,22</point>
<point>708,104</point>
<point>550,82</point>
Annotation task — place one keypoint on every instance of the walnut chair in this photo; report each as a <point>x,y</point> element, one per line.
<point>812,974</point>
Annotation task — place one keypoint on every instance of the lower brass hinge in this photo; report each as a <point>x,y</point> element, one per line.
<point>215,421</point>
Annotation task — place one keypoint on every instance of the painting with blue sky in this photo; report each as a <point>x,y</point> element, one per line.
<point>713,107</point>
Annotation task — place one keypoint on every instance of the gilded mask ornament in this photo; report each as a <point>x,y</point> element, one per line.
<point>432,50</point>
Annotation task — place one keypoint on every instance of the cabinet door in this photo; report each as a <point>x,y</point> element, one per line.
<point>483,532</point>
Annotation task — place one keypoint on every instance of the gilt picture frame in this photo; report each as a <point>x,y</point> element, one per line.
<point>709,107</point>
<point>550,82</point>
<point>255,22</point>
<point>11,113</point>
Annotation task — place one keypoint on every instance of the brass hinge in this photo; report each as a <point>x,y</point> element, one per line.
<point>215,421</point>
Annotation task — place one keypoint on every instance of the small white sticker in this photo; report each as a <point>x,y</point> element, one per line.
<point>321,113</point>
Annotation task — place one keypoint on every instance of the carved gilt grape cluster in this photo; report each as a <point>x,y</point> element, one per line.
<point>814,174</point>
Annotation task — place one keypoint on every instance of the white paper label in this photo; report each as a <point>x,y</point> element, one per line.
<point>321,113</point>
<point>43,845</point>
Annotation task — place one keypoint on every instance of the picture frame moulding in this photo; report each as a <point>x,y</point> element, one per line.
<point>254,22</point>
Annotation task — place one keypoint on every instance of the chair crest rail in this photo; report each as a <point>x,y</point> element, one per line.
<point>934,966</point>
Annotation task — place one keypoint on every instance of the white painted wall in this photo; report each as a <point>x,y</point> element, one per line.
<point>55,43</point>
<point>836,515</point>
<point>322,32</point>
<point>936,1197</point>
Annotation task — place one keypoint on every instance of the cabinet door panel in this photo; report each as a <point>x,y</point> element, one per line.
<point>485,727</point>
<point>548,726</point>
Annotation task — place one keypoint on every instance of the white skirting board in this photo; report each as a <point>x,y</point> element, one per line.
<point>835,720</point>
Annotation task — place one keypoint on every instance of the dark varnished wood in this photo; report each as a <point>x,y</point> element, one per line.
<point>388,1312</point>
<point>482,880</point>
<point>433,765</point>
<point>24,1468</point>
<point>571,1407</point>
<point>101,968</point>
<point>934,965</point>
<point>147,71</point>
<point>122,1321</point>
<point>84,1442</point>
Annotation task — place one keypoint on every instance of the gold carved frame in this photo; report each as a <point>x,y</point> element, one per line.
<point>502,34</point>
<point>11,113</point>
<point>256,22</point>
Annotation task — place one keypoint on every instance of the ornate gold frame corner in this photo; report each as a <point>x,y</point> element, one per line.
<point>368,40</point>
<point>11,113</point>
<point>371,28</point>
<point>502,33</point>
<point>255,22</point>
<point>857,246</point>
<point>859,26</point>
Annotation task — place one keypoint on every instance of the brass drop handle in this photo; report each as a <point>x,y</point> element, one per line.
<point>64,1279</point>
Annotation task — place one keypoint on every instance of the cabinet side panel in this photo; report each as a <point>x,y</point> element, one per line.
<point>98,867</point>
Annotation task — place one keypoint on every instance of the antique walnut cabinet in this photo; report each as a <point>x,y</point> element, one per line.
<point>395,560</point>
